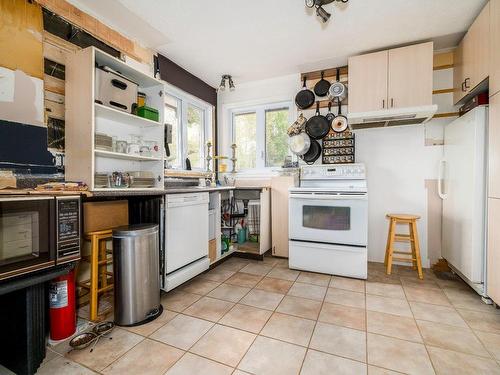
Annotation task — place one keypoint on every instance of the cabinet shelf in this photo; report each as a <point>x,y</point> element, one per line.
<point>102,111</point>
<point>119,155</point>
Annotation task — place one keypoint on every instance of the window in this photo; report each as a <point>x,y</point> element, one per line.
<point>260,136</point>
<point>191,121</point>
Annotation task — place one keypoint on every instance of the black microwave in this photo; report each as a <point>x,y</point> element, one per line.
<point>38,232</point>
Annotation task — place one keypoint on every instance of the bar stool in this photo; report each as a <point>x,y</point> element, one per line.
<point>101,280</point>
<point>411,238</point>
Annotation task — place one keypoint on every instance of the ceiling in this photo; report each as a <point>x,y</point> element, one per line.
<point>258,39</point>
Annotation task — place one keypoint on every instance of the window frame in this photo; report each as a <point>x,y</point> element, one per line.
<point>260,114</point>
<point>185,99</point>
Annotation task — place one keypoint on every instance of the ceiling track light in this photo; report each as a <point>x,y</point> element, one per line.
<point>229,79</point>
<point>320,11</point>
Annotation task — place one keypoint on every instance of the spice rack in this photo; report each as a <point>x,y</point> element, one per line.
<point>338,148</point>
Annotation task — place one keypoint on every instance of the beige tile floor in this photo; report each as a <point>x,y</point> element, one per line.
<point>259,317</point>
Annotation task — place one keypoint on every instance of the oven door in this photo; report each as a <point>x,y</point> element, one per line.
<point>329,218</point>
<point>27,234</point>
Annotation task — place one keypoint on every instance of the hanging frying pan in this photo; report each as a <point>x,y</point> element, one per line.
<point>317,126</point>
<point>330,116</point>
<point>299,144</point>
<point>340,122</point>
<point>337,89</point>
<point>321,87</point>
<point>305,97</point>
<point>313,153</point>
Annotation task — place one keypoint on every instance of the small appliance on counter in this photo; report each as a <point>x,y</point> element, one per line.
<point>328,220</point>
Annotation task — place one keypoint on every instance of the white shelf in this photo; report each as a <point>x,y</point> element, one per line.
<point>123,117</point>
<point>119,155</point>
<point>227,253</point>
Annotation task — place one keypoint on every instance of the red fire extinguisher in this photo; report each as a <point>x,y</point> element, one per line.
<point>62,306</point>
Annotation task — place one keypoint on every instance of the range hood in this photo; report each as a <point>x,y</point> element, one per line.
<point>392,117</point>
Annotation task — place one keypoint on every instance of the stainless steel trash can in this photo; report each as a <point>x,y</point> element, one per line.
<point>136,274</point>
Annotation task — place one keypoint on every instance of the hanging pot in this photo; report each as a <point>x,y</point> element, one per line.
<point>337,90</point>
<point>321,87</point>
<point>330,116</point>
<point>299,144</point>
<point>305,97</point>
<point>317,126</point>
<point>340,122</point>
<point>313,153</point>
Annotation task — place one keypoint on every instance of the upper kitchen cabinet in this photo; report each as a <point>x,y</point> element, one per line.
<point>397,78</point>
<point>368,82</point>
<point>494,46</point>
<point>108,146</point>
<point>410,76</point>
<point>472,57</point>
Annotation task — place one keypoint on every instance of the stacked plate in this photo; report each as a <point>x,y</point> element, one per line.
<point>103,142</point>
<point>142,182</point>
<point>101,180</point>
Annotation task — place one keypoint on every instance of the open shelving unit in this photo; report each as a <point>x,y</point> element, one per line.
<point>85,118</point>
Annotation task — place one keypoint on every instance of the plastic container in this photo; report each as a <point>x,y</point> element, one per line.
<point>149,113</point>
<point>242,235</point>
<point>141,99</point>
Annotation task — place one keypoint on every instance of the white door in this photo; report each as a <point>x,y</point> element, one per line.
<point>463,190</point>
<point>329,218</point>
<point>186,229</point>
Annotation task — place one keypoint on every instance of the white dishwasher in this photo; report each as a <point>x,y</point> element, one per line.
<point>186,233</point>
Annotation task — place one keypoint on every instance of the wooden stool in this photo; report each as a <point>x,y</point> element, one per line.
<point>412,238</point>
<point>101,280</point>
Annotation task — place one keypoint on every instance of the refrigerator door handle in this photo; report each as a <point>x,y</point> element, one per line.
<point>442,165</point>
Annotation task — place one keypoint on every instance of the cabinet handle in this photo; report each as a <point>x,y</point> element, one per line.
<point>392,102</point>
<point>466,85</point>
<point>463,87</point>
<point>383,103</point>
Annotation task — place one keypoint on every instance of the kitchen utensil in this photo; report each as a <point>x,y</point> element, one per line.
<point>121,146</point>
<point>298,126</point>
<point>317,126</point>
<point>305,97</point>
<point>299,143</point>
<point>337,89</point>
<point>313,153</point>
<point>330,116</point>
<point>340,122</point>
<point>321,87</point>
<point>133,149</point>
<point>115,90</point>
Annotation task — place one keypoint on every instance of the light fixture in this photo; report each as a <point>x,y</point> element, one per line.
<point>229,78</point>
<point>320,11</point>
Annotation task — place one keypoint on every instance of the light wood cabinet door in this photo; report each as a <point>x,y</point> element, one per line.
<point>410,76</point>
<point>279,213</point>
<point>368,82</point>
<point>494,147</point>
<point>478,49</point>
<point>459,90</point>
<point>494,47</point>
<point>493,257</point>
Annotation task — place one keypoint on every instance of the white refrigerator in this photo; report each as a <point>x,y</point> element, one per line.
<point>462,187</point>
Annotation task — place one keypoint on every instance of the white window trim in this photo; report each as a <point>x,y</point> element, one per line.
<point>260,111</point>
<point>207,109</point>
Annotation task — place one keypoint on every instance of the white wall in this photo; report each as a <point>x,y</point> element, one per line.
<point>401,162</point>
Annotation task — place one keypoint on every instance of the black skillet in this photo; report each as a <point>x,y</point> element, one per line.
<point>330,116</point>
<point>313,153</point>
<point>305,97</point>
<point>317,126</point>
<point>322,86</point>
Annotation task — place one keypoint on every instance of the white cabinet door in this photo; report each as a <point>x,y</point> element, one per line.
<point>494,47</point>
<point>494,147</point>
<point>410,76</point>
<point>368,82</point>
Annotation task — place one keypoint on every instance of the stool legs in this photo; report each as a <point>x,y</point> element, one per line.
<point>94,270</point>
<point>390,246</point>
<point>417,249</point>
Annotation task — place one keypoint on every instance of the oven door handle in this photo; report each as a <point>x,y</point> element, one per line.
<point>329,197</point>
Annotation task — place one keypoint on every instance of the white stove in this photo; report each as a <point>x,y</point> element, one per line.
<point>328,220</point>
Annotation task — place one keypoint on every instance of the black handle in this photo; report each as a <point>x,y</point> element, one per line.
<point>322,75</point>
<point>340,106</point>
<point>317,108</point>
<point>119,105</point>
<point>329,107</point>
<point>305,79</point>
<point>338,74</point>
<point>463,86</point>
<point>466,85</point>
<point>119,84</point>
